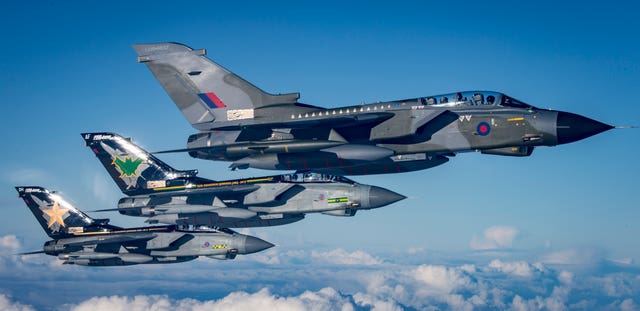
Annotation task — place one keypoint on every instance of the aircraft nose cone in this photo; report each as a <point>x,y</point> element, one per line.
<point>572,127</point>
<point>254,245</point>
<point>379,197</point>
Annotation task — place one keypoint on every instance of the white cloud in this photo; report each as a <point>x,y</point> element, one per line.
<point>9,244</point>
<point>468,268</point>
<point>7,305</point>
<point>495,237</point>
<point>117,303</point>
<point>342,257</point>
<point>565,277</point>
<point>628,305</point>
<point>376,304</point>
<point>376,284</point>
<point>516,268</point>
<point>293,284</point>
<point>616,286</point>
<point>520,304</point>
<point>324,299</point>
<point>557,301</point>
<point>440,279</point>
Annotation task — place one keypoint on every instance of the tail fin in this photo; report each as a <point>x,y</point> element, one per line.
<point>204,91</point>
<point>57,217</point>
<point>133,169</point>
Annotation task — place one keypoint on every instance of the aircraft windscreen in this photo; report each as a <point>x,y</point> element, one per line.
<point>474,98</point>
<point>203,228</point>
<point>469,98</point>
<point>311,177</point>
<point>226,230</point>
<point>512,102</point>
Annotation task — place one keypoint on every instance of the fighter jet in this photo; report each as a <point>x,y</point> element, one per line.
<point>79,239</point>
<point>166,195</point>
<point>239,122</point>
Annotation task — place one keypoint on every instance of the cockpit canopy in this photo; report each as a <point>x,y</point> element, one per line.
<point>205,228</point>
<point>312,177</point>
<point>474,98</point>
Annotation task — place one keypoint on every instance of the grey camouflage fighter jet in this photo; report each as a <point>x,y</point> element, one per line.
<point>238,122</point>
<point>166,195</point>
<point>79,239</point>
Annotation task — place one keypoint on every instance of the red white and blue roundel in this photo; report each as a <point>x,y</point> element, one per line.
<point>483,129</point>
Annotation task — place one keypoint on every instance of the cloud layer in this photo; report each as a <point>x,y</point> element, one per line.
<point>334,279</point>
<point>321,300</point>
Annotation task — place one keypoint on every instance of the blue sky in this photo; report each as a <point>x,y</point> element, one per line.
<point>565,217</point>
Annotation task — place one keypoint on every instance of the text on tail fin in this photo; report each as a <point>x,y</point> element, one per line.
<point>134,170</point>
<point>56,216</point>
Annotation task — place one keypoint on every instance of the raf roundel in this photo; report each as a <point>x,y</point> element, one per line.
<point>483,129</point>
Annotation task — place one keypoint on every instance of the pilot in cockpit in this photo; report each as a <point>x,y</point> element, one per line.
<point>491,100</point>
<point>478,99</point>
<point>459,98</point>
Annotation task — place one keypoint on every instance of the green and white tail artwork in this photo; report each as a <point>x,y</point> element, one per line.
<point>133,169</point>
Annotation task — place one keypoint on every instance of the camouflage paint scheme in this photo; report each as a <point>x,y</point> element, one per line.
<point>240,123</point>
<point>166,195</point>
<point>79,239</point>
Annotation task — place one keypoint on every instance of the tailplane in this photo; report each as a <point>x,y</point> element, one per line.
<point>204,91</point>
<point>57,217</point>
<point>133,169</point>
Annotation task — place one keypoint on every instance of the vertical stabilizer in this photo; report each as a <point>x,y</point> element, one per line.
<point>57,217</point>
<point>133,169</point>
<point>204,91</point>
